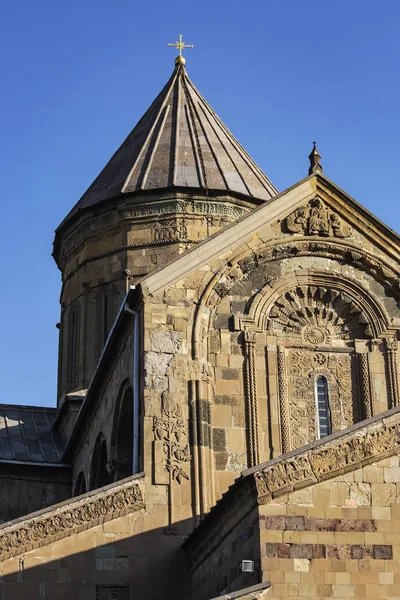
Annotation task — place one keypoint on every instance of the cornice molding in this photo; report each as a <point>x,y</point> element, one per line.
<point>70,518</point>
<point>350,452</point>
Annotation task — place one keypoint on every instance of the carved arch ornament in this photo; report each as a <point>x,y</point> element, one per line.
<point>375,319</point>
<point>312,310</point>
<point>316,306</point>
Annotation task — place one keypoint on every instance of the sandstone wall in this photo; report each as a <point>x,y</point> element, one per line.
<point>336,539</point>
<point>104,542</point>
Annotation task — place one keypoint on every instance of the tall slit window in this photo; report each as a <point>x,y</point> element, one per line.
<point>323,413</point>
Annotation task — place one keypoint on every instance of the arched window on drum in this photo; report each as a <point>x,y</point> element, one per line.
<point>324,426</point>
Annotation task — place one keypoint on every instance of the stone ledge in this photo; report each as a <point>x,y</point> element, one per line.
<point>366,442</point>
<point>71,517</point>
<point>255,592</point>
<point>348,450</point>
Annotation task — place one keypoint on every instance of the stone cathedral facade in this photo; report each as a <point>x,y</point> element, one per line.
<point>228,420</point>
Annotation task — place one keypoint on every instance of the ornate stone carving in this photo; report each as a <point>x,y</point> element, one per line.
<point>365,385</point>
<point>169,231</point>
<point>283,400</point>
<point>68,520</point>
<point>393,374</point>
<point>251,399</point>
<point>304,367</point>
<point>317,219</point>
<point>223,209</point>
<point>317,313</point>
<point>328,460</point>
<point>170,429</point>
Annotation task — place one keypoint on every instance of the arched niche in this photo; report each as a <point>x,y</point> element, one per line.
<point>316,323</point>
<point>100,471</point>
<point>123,433</point>
<point>80,485</point>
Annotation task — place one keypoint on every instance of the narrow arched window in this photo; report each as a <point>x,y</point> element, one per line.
<point>322,402</point>
<point>80,486</point>
<point>73,323</point>
<point>106,317</point>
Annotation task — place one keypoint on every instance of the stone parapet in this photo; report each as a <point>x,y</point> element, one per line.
<point>71,517</point>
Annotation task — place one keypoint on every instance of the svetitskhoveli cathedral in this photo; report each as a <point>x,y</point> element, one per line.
<point>228,419</point>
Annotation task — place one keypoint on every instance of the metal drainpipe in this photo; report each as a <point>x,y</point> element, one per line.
<point>136,457</point>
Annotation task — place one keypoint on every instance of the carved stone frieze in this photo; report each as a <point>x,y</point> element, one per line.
<point>223,209</point>
<point>317,219</point>
<point>68,520</point>
<point>169,231</point>
<point>327,461</point>
<point>170,429</point>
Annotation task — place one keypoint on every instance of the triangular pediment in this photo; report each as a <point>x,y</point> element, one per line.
<point>313,210</point>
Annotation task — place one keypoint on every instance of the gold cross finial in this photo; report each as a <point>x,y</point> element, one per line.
<point>180,46</point>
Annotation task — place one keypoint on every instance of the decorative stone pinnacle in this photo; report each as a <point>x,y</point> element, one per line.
<point>180,46</point>
<point>315,161</point>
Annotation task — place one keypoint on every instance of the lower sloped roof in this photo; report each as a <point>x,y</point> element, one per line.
<point>26,435</point>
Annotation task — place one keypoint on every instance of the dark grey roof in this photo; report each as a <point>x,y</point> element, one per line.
<point>180,141</point>
<point>26,434</point>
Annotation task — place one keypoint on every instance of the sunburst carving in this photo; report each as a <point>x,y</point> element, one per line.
<point>317,314</point>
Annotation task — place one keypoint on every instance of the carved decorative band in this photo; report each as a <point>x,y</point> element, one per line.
<point>327,461</point>
<point>283,400</point>
<point>74,517</point>
<point>365,385</point>
<point>391,352</point>
<point>252,401</point>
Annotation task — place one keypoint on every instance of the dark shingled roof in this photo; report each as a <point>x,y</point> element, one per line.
<point>26,434</point>
<point>180,141</point>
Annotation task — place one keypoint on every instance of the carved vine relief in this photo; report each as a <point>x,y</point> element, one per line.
<point>317,219</point>
<point>170,429</point>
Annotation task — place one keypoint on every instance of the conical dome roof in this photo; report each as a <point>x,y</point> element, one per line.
<point>179,142</point>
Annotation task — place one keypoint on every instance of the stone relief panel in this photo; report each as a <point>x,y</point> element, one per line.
<point>316,314</point>
<point>317,219</point>
<point>169,231</point>
<point>304,366</point>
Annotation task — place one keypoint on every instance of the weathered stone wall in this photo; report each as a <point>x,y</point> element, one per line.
<point>105,249</point>
<point>100,542</point>
<point>101,419</point>
<point>327,519</point>
<point>340,538</point>
<point>254,327</point>
<point>221,572</point>
<point>27,488</point>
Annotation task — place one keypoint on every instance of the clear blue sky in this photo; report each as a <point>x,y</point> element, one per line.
<point>76,76</point>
